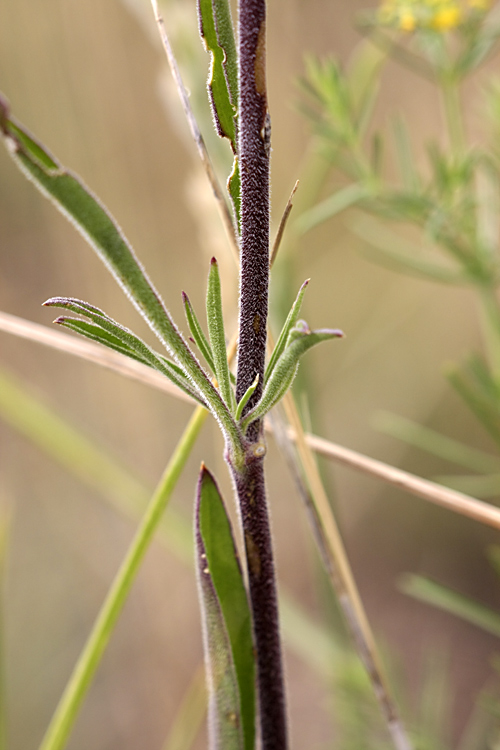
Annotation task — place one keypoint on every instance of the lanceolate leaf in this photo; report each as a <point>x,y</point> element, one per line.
<point>215,321</point>
<point>289,324</point>
<point>108,332</point>
<point>216,29</point>
<point>94,222</point>
<point>197,332</point>
<point>300,339</point>
<point>246,398</point>
<point>227,629</point>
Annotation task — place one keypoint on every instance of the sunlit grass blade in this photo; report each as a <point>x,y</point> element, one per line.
<point>215,321</point>
<point>290,321</point>
<point>197,333</point>
<point>76,689</point>
<point>102,232</point>
<point>227,625</point>
<point>444,598</point>
<point>286,367</point>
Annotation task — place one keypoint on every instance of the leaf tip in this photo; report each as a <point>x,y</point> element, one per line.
<point>213,262</point>
<point>333,332</point>
<point>4,114</point>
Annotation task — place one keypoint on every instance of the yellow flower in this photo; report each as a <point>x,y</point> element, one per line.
<point>407,21</point>
<point>440,15</point>
<point>447,18</point>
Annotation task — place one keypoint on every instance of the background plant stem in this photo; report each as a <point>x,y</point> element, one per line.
<point>79,682</point>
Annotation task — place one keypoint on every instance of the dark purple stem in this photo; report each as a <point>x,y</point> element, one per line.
<point>251,492</point>
<point>253,155</point>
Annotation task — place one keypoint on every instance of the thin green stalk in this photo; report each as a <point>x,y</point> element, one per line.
<point>450,94</point>
<point>491,327</point>
<point>79,682</point>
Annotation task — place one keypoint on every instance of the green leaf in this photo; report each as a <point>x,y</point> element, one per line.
<point>102,232</point>
<point>344,198</point>
<point>405,156</point>
<point>300,339</point>
<point>197,332</point>
<point>216,29</point>
<point>394,251</point>
<point>215,321</point>
<point>450,601</point>
<point>108,332</point>
<point>285,331</point>
<point>227,627</point>
<point>246,398</point>
<point>234,189</point>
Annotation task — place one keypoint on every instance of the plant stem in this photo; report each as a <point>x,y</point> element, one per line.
<point>250,488</point>
<point>79,682</point>
<point>253,154</point>
<point>254,149</point>
<point>453,115</point>
<point>491,326</point>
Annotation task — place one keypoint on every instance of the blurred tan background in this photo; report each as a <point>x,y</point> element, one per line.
<point>88,79</point>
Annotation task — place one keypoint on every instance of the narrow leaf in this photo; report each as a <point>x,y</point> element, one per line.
<point>288,325</point>
<point>246,398</point>
<point>281,378</point>
<point>215,17</point>
<point>197,332</point>
<point>102,232</point>
<point>96,333</point>
<point>216,29</point>
<point>344,198</point>
<point>405,156</point>
<point>451,601</point>
<point>227,630</point>
<point>108,332</point>
<point>215,321</point>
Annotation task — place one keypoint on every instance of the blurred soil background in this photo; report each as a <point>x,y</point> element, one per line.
<point>89,80</point>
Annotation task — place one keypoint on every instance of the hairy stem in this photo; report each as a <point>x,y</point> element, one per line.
<point>253,154</point>
<point>251,493</point>
<point>254,149</point>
